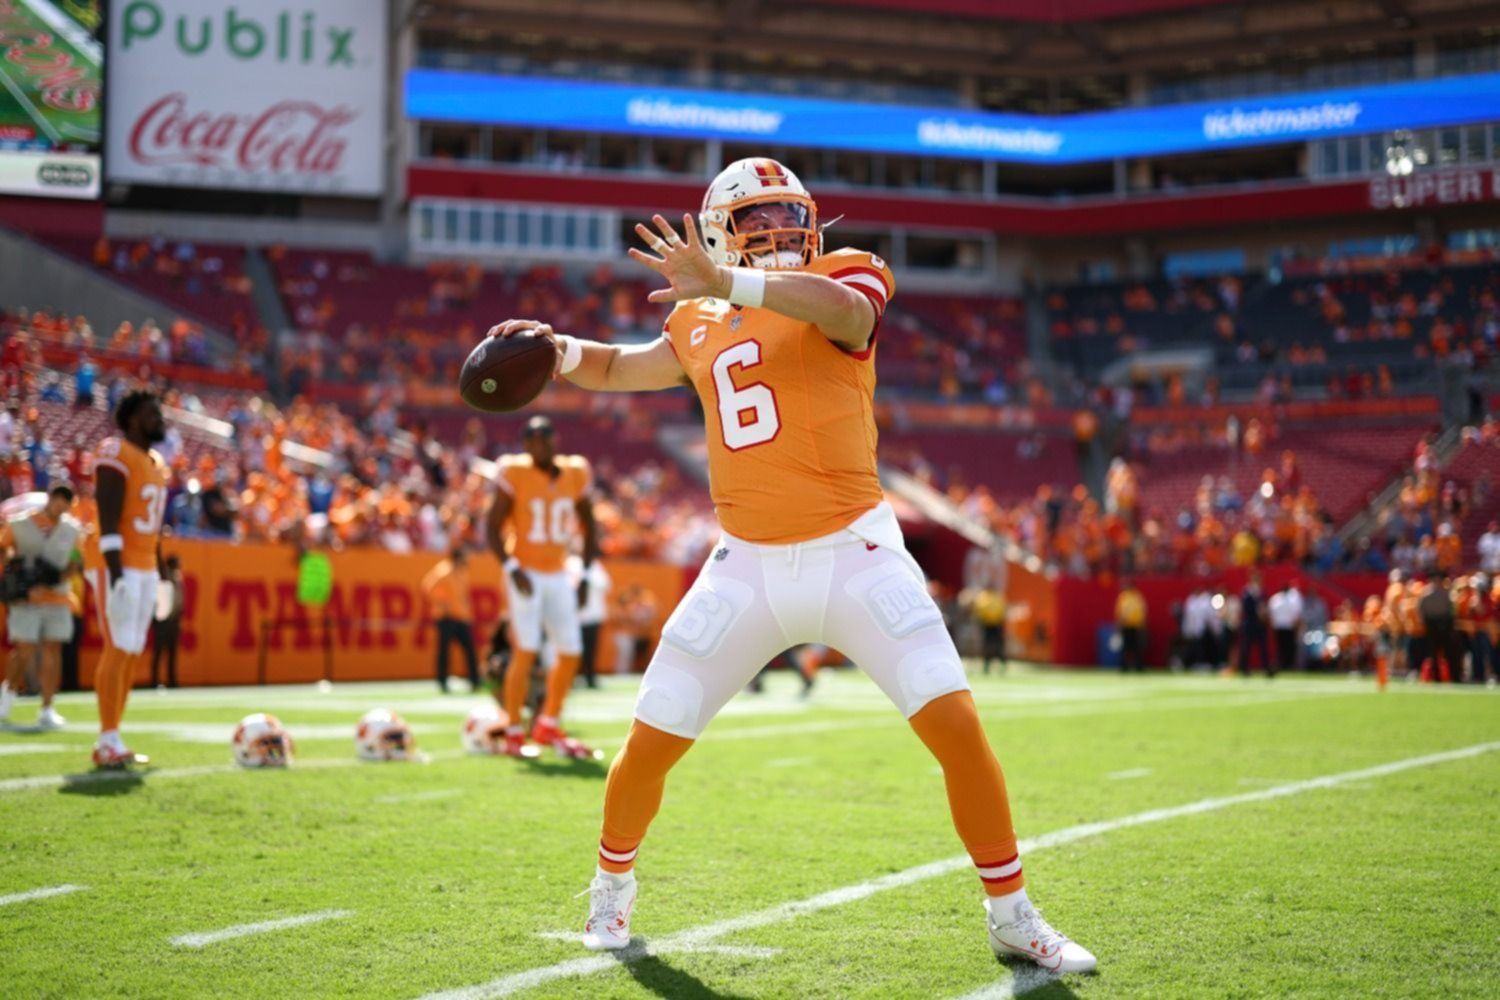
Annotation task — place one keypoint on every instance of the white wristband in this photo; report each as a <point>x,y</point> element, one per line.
<point>512,564</point>
<point>111,543</point>
<point>572,353</point>
<point>747,286</point>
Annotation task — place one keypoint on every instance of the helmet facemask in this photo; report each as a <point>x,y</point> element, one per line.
<point>752,240</point>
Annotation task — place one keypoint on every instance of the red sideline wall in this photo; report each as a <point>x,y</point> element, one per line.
<point>1083,605</point>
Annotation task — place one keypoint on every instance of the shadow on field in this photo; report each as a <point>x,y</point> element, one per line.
<point>102,783</point>
<point>663,980</point>
<point>572,767</point>
<point>1032,982</point>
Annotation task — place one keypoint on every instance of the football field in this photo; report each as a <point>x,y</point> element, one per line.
<point>49,87</point>
<point>1203,837</point>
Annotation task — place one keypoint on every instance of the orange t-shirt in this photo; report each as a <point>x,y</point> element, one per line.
<point>789,414</point>
<point>145,499</point>
<point>447,590</point>
<point>543,513</point>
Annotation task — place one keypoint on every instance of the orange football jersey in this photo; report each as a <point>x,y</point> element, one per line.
<point>789,414</point>
<point>87,511</point>
<point>145,499</point>
<point>543,513</point>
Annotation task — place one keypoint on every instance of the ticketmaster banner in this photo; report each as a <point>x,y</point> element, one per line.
<point>586,106</point>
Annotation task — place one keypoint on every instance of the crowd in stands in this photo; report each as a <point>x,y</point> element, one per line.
<point>316,471</point>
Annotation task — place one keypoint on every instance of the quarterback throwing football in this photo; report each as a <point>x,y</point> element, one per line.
<point>778,339</point>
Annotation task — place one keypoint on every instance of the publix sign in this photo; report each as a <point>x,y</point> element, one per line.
<point>258,96</point>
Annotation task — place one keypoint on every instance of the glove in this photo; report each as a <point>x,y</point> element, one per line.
<point>120,612</point>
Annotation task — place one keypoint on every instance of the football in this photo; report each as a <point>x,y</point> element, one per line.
<point>503,374</point>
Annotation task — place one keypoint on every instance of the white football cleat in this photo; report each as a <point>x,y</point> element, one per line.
<point>1029,936</point>
<point>610,903</point>
<point>48,718</point>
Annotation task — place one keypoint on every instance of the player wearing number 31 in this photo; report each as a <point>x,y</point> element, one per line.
<point>130,482</point>
<point>778,339</point>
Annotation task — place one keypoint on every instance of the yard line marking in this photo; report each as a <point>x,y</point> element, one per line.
<point>436,793</point>
<point>516,982</point>
<point>733,950</point>
<point>789,762</point>
<point>1134,772</point>
<point>24,749</point>
<point>1023,980</point>
<point>245,930</point>
<point>47,893</point>
<point>93,777</point>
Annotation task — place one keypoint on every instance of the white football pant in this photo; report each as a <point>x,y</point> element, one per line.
<point>857,590</point>
<point>552,606</point>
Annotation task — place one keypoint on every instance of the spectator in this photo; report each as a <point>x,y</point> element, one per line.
<point>1253,634</point>
<point>83,382</point>
<point>169,605</point>
<point>218,510</point>
<point>446,587</point>
<point>591,612</point>
<point>1489,549</point>
<point>1286,611</point>
<point>1130,617</point>
<point>989,612</point>
<point>45,543</point>
<point>1435,606</point>
<point>1196,611</point>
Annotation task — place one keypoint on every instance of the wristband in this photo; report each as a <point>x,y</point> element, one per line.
<point>572,353</point>
<point>111,543</point>
<point>747,286</point>
<point>512,564</point>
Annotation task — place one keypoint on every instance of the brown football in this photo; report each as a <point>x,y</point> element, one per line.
<point>506,373</point>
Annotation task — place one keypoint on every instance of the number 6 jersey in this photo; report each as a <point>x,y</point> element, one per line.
<point>543,513</point>
<point>789,414</point>
<point>145,499</point>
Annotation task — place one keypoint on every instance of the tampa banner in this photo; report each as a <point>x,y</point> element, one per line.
<point>378,623</point>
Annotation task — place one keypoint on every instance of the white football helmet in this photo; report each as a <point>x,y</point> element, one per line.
<point>384,735</point>
<point>790,241</point>
<point>484,730</point>
<point>260,740</point>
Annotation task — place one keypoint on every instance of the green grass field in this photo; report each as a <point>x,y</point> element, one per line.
<point>788,857</point>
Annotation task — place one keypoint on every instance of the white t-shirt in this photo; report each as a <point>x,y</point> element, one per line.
<point>1489,552</point>
<point>1285,608</point>
<point>1195,614</point>
<point>596,607</point>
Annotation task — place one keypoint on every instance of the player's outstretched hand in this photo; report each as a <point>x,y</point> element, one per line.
<point>511,327</point>
<point>687,267</point>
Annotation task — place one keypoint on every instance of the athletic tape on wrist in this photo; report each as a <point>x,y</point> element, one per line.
<point>512,564</point>
<point>572,354</point>
<point>111,543</point>
<point>747,286</point>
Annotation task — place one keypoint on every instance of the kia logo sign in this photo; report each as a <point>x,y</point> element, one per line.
<point>70,175</point>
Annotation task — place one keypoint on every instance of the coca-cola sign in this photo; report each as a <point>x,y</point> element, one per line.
<point>268,109</point>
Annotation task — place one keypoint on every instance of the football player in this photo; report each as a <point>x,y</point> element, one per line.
<point>130,484</point>
<point>546,497</point>
<point>778,339</point>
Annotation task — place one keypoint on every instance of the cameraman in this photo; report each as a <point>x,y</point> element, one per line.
<point>41,550</point>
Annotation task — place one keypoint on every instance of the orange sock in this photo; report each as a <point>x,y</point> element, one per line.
<point>133,664</point>
<point>632,795</point>
<point>559,683</point>
<point>517,682</point>
<point>976,789</point>
<point>112,663</point>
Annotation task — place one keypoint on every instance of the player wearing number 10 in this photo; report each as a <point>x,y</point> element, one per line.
<point>130,481</point>
<point>546,497</point>
<point>778,340</point>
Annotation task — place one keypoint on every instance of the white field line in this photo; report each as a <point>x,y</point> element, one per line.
<point>93,777</point>
<point>1134,772</point>
<point>26,749</point>
<point>782,912</point>
<point>47,893</point>
<point>245,930</point>
<point>742,733</point>
<point>1023,979</point>
<point>789,762</point>
<point>428,796</point>
<point>733,950</point>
